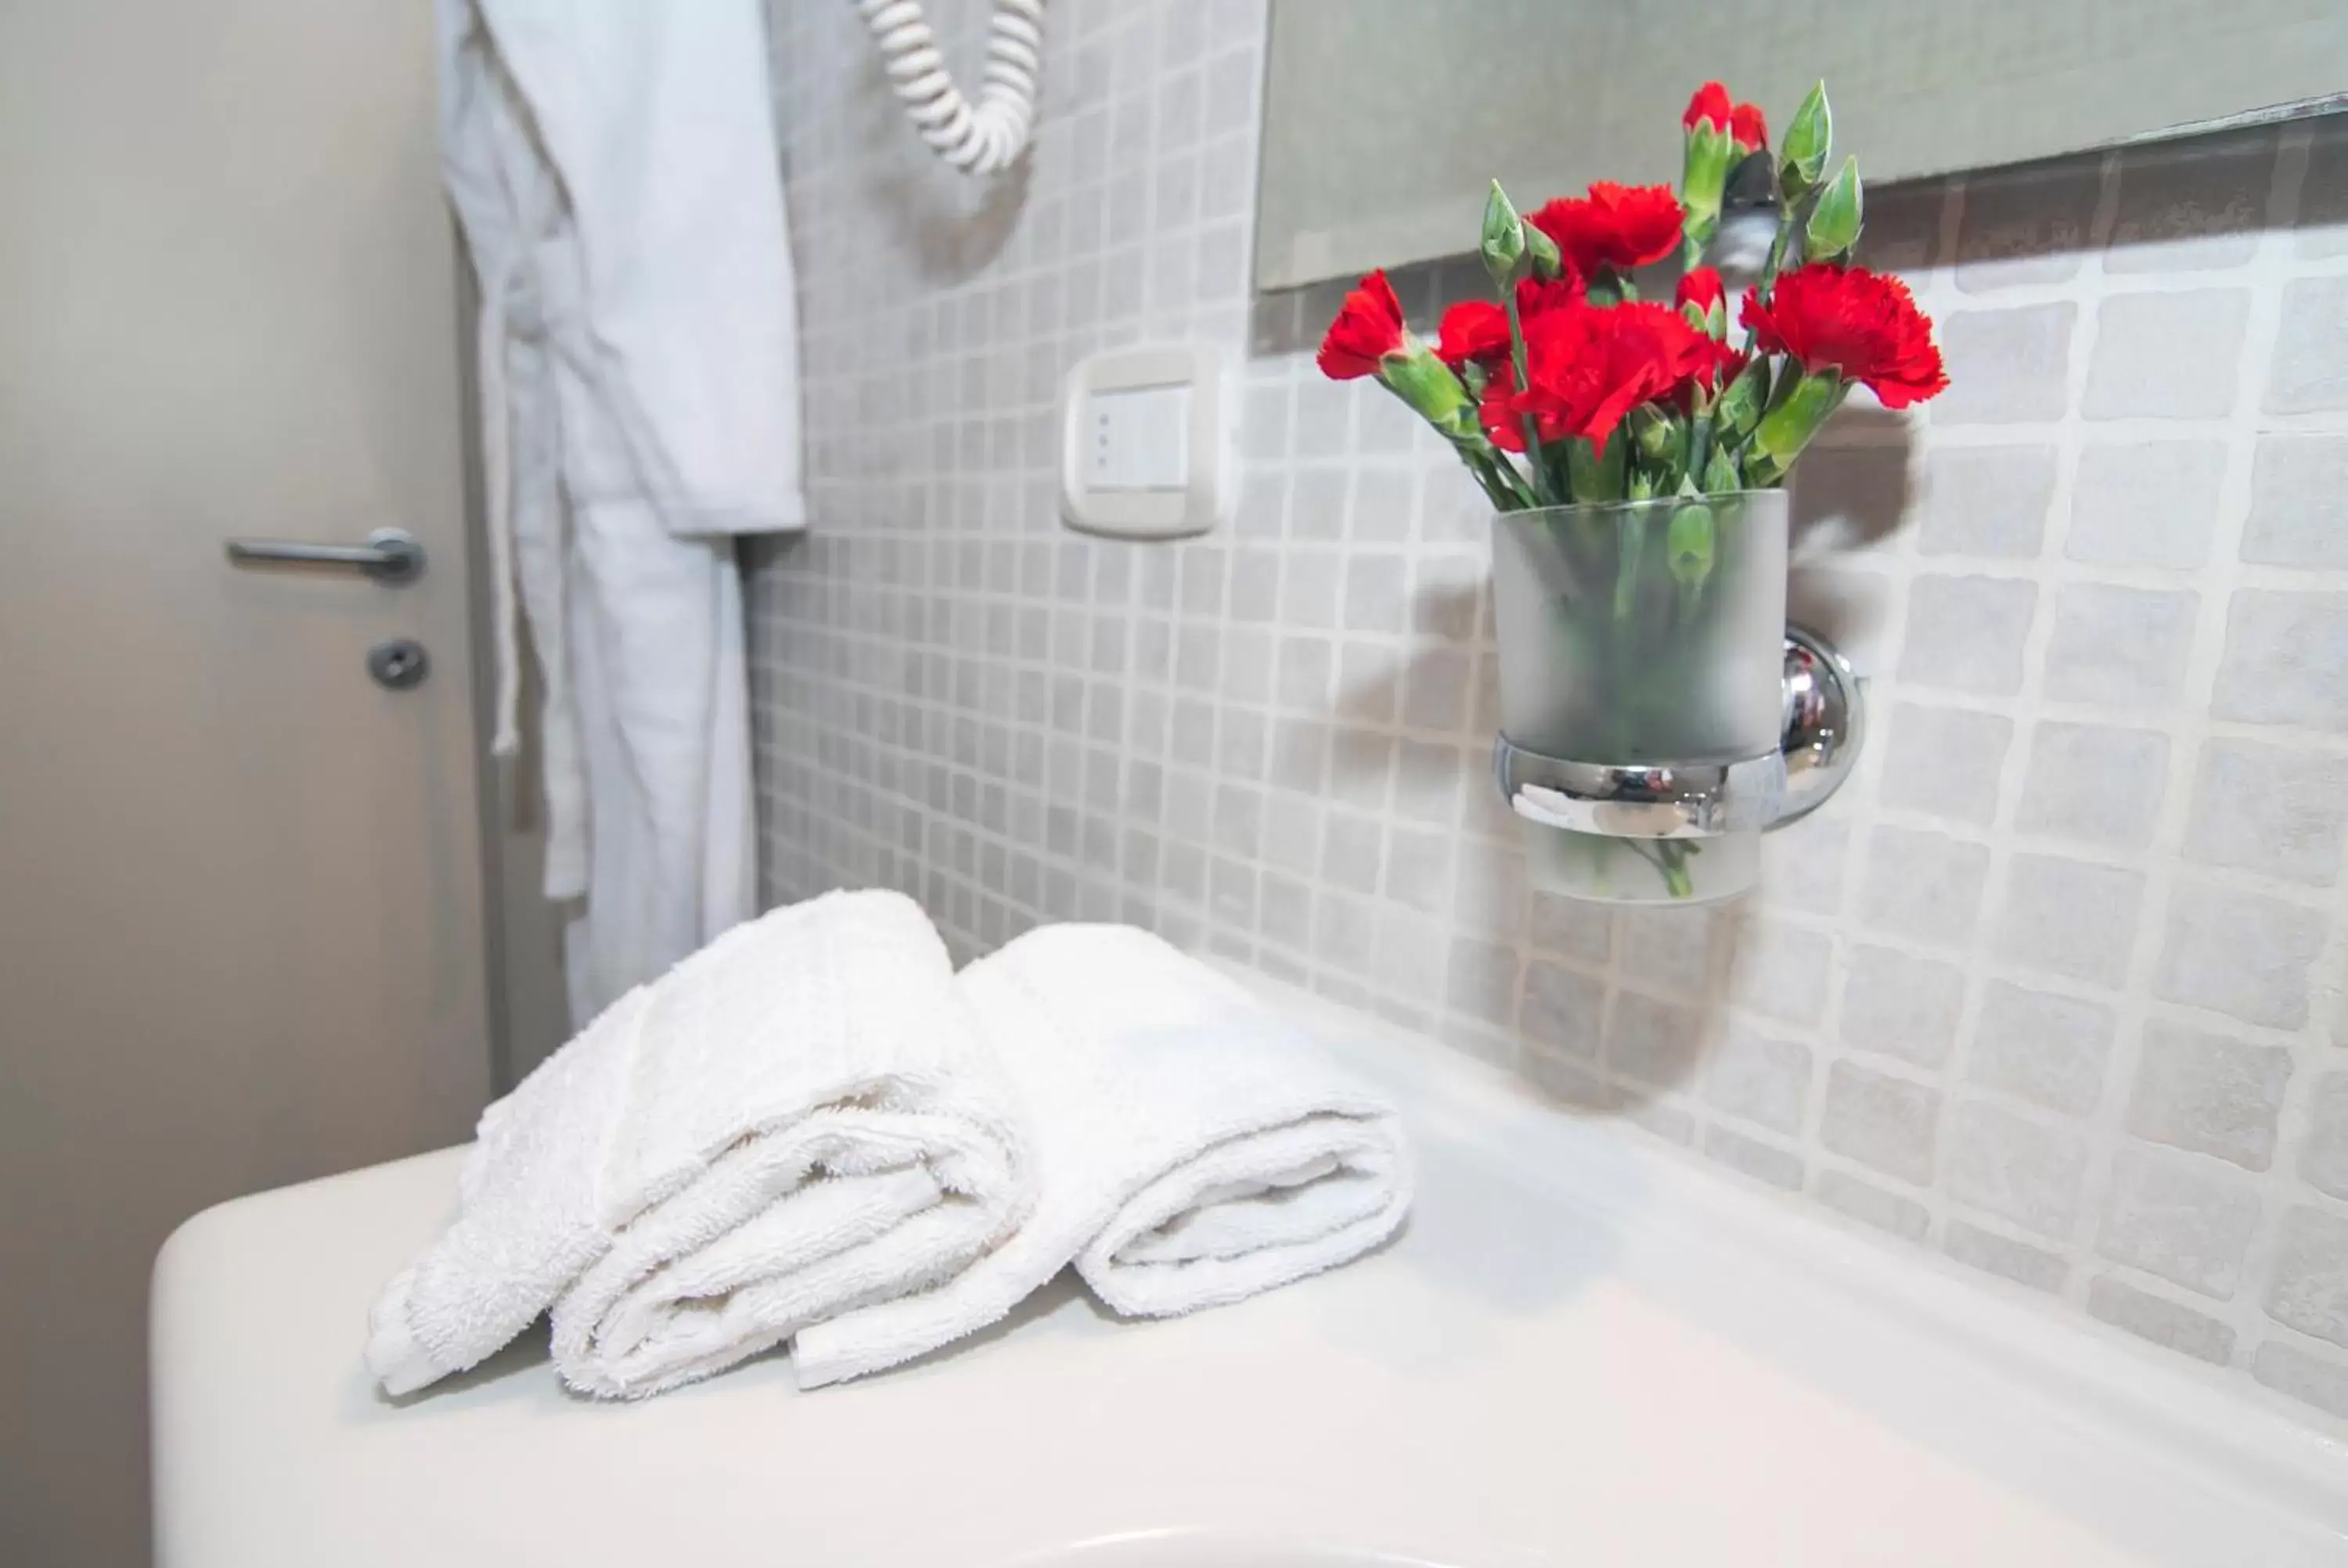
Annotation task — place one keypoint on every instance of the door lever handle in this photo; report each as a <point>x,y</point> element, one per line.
<point>389,554</point>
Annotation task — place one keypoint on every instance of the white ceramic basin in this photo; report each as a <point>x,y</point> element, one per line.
<point>1582,1352</point>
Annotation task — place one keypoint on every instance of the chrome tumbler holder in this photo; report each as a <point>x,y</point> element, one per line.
<point>1824,721</point>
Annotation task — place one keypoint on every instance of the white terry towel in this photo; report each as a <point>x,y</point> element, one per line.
<point>1191,1147</point>
<point>795,1121</point>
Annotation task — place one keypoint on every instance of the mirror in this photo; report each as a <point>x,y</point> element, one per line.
<point>1383,118</point>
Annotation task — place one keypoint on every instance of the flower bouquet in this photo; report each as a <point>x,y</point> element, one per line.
<point>1635,454</point>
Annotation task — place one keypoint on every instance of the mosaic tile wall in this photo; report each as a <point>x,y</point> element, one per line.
<point>2053,990</point>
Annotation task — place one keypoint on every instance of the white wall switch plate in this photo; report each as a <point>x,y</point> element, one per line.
<point>1146,447</point>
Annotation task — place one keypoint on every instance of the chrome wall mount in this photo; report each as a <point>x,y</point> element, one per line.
<point>1824,722</point>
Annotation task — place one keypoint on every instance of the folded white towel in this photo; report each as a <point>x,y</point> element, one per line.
<point>794,1121</point>
<point>1191,1147</point>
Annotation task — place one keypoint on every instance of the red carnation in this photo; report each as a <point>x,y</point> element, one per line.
<point>1715,366</point>
<point>1748,128</point>
<point>1368,328</point>
<point>1478,329</point>
<point>1701,288</point>
<point>1589,367</point>
<point>1861,323</point>
<point>1622,226</point>
<point>1710,104</point>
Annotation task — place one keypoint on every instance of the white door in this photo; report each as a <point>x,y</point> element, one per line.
<point>240,896</point>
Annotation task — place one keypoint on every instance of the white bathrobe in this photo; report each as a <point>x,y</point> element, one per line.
<point>613,166</point>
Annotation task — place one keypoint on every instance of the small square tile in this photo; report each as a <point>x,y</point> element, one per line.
<point>2015,1260</point>
<point>1803,863</point>
<point>1751,1157</point>
<point>2284,653</point>
<point>2322,217</point>
<point>2160,1320</point>
<point>2047,1048</point>
<point>2151,505</point>
<point>1434,690</point>
<point>1895,1004</point>
<point>2095,783</point>
<point>2123,647</point>
<point>2191,205</point>
<point>1350,851</point>
<point>2178,1219</point>
<point>2310,360</point>
<point>2005,367</point>
<point>1563,1008</point>
<point>1761,1079</point>
<point>1986,500</point>
<point>1846,497</point>
<point>2298,501</point>
<point>2276,810</point>
<point>2323,1157</point>
<point>2310,1288</point>
<point>2210,1093</point>
<point>1924,886</point>
<point>1966,633</point>
<point>1419,869</point>
<point>2166,355</point>
<point>1945,762</point>
<point>2239,953</point>
<point>1679,951</point>
<point>1656,1042</point>
<point>1484,977</point>
<point>2069,917</point>
<point>2288,1369</point>
<point>2026,1170</point>
<point>1888,1123</point>
<point>1780,970</point>
<point>1870,1205</point>
<point>2025,226</point>
<point>1377,598</point>
<point>1571,928</point>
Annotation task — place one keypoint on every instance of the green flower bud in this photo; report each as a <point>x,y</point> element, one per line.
<point>1428,386</point>
<point>1546,263</point>
<point>1795,415</point>
<point>1720,473</point>
<point>1655,434</point>
<point>1703,175</point>
<point>1802,155</point>
<point>1503,243</point>
<point>1689,543</point>
<point>1739,408</point>
<point>1834,223</point>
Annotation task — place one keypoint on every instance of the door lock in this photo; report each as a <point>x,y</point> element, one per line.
<point>399,663</point>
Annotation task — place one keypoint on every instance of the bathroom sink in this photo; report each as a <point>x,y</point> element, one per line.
<point>1183,1549</point>
<point>1582,1350</point>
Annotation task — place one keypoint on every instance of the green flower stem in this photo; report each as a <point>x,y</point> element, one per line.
<point>1699,453</point>
<point>1541,483</point>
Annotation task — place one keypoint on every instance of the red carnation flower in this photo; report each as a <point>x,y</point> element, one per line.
<point>1589,367</point>
<point>1710,104</point>
<point>1368,328</point>
<point>1748,128</point>
<point>1861,323</point>
<point>1716,367</point>
<point>1622,226</point>
<point>1701,288</point>
<point>1478,329</point>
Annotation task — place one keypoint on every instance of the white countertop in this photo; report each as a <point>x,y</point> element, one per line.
<point>1582,1351</point>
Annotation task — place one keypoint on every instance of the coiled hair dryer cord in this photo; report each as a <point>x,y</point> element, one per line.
<point>978,139</point>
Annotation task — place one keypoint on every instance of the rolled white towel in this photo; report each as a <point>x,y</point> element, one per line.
<point>795,1121</point>
<point>1191,1147</point>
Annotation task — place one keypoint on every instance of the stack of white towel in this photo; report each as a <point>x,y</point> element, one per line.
<point>814,1131</point>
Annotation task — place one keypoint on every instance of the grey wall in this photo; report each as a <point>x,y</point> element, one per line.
<point>2053,991</point>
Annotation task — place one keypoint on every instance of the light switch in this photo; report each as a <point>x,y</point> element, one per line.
<point>1146,442</point>
<point>1138,438</point>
